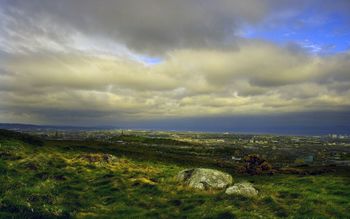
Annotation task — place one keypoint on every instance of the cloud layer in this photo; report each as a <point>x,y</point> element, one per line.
<point>85,62</point>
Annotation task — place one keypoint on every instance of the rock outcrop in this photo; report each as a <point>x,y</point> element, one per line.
<point>205,179</point>
<point>243,188</point>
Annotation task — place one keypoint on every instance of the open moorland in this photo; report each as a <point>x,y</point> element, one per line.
<point>95,179</point>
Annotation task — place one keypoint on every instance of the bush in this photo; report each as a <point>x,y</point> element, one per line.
<point>254,165</point>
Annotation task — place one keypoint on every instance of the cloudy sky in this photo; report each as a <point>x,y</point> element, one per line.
<point>234,65</point>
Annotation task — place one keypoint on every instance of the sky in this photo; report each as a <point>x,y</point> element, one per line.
<point>226,65</point>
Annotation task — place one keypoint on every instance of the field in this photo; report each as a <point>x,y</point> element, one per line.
<point>55,180</point>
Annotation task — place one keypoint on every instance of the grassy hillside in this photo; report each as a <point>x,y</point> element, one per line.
<point>54,182</point>
<point>148,140</point>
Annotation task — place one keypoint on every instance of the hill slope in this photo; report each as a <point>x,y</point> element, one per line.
<point>52,182</point>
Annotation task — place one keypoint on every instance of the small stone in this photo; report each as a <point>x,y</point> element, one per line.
<point>243,188</point>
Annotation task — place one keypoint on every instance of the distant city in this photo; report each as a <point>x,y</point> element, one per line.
<point>225,147</point>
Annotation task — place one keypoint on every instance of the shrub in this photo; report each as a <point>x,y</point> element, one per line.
<point>254,165</point>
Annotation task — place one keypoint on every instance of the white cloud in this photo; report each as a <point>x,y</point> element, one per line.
<point>187,83</point>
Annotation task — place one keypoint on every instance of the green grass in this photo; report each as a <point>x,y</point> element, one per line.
<point>148,140</point>
<point>54,182</point>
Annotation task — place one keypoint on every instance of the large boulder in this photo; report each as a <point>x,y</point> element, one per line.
<point>205,179</point>
<point>243,188</point>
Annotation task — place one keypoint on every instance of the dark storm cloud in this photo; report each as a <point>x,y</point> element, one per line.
<point>302,123</point>
<point>149,25</point>
<point>158,25</point>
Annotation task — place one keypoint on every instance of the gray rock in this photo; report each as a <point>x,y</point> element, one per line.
<point>205,179</point>
<point>243,188</point>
